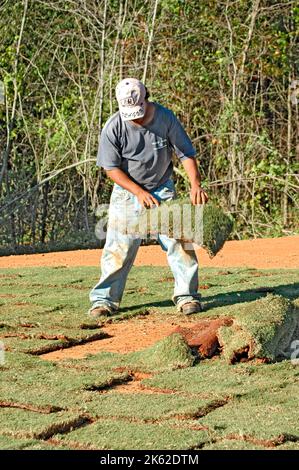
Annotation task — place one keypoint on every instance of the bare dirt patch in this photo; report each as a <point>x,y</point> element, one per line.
<point>140,333</point>
<point>134,385</point>
<point>259,253</point>
<point>124,337</point>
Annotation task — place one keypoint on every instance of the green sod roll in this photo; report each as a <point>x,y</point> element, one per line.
<point>205,225</point>
<point>217,227</point>
<point>264,328</point>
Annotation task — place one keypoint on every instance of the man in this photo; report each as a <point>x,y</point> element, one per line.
<point>135,149</point>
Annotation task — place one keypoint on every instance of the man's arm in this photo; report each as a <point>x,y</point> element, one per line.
<point>145,198</point>
<point>184,149</point>
<point>197,193</point>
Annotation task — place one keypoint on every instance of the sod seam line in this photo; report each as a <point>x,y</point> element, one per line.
<point>68,344</point>
<point>114,382</point>
<point>57,442</point>
<point>60,428</point>
<point>275,442</point>
<point>36,409</point>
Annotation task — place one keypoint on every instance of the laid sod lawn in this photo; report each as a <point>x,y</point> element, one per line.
<point>48,386</point>
<point>148,407</point>
<point>272,415</point>
<point>124,435</point>
<point>222,380</point>
<point>231,444</point>
<point>184,404</point>
<point>24,423</point>
<point>12,443</point>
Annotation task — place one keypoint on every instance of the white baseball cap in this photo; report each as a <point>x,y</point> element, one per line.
<point>130,94</point>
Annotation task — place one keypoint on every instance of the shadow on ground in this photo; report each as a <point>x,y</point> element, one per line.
<point>290,291</point>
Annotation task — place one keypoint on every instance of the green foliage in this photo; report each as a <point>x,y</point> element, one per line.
<point>228,87</point>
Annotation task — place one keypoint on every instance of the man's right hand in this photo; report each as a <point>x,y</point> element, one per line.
<point>146,199</point>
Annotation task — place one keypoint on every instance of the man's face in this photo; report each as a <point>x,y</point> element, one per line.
<point>140,121</point>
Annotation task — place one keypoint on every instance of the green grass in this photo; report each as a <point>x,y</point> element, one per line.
<point>122,435</point>
<point>171,352</point>
<point>29,424</point>
<point>12,443</point>
<point>185,404</point>
<point>9,443</point>
<point>220,380</point>
<point>44,385</point>
<point>147,407</point>
<point>231,444</point>
<point>272,415</point>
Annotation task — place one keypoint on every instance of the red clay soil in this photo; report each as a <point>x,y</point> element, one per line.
<point>259,253</point>
<point>134,385</point>
<point>203,335</point>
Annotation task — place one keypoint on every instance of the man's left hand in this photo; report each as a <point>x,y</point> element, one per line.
<point>198,195</point>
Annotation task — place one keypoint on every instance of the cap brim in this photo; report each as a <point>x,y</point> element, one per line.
<point>129,114</point>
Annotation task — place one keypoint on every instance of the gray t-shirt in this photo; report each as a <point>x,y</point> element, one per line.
<point>144,153</point>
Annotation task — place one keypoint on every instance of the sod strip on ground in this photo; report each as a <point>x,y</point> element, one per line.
<point>46,445</point>
<point>288,446</point>
<point>47,385</point>
<point>122,435</point>
<point>11,443</point>
<point>232,444</point>
<point>29,424</point>
<point>269,416</point>
<point>147,407</point>
<point>171,352</point>
<point>40,341</point>
<point>218,379</point>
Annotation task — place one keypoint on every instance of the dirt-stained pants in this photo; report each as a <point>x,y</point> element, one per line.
<point>120,251</point>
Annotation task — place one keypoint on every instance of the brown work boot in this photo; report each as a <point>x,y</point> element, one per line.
<point>191,307</point>
<point>99,312</point>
